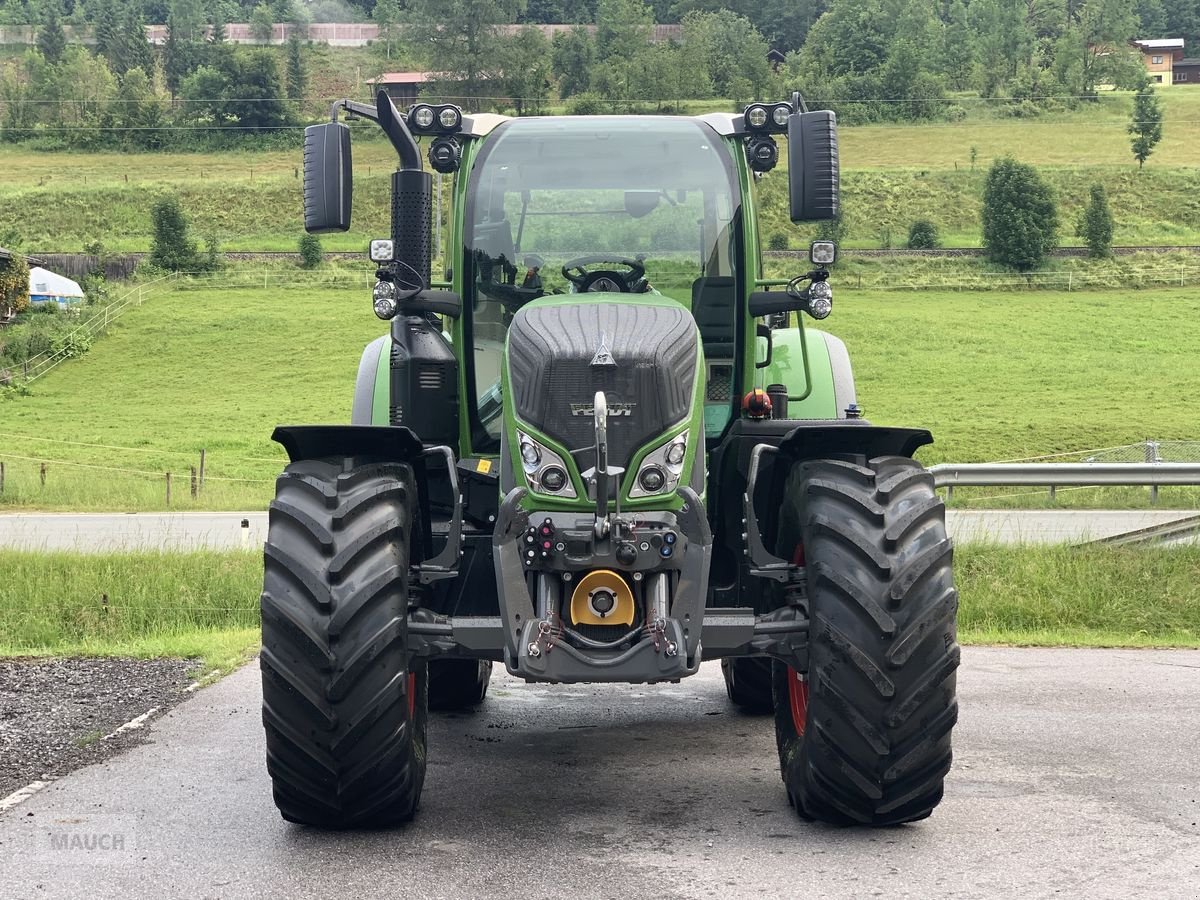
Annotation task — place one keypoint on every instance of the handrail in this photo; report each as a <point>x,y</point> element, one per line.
<point>1064,474</point>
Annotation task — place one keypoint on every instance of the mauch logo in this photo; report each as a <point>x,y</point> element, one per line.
<point>614,409</point>
<point>603,356</point>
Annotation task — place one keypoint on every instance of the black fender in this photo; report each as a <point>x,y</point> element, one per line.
<point>819,439</point>
<point>386,443</point>
<point>769,467</point>
<point>389,443</point>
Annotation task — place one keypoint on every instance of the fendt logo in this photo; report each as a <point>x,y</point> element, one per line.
<point>614,409</point>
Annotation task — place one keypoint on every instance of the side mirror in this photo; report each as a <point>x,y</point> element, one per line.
<point>327,178</point>
<point>813,166</point>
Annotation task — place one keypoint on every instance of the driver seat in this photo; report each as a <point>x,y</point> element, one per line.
<point>493,248</point>
<point>714,307</point>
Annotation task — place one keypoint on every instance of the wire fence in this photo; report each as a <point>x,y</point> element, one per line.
<point>37,366</point>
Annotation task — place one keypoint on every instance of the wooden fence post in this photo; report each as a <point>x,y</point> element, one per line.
<point>194,483</point>
<point>43,474</point>
<point>168,489</point>
<point>203,453</point>
<point>1,476</point>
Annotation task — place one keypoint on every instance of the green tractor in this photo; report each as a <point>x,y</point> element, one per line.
<point>602,448</point>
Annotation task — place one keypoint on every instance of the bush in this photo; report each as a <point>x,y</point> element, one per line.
<point>1020,219</point>
<point>587,104</point>
<point>777,240</point>
<point>310,251</point>
<point>173,250</point>
<point>922,235</point>
<point>1096,225</point>
<point>14,283</point>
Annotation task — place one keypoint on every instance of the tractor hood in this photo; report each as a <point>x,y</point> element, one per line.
<point>642,350</point>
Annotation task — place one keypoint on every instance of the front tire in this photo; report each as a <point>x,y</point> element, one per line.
<point>456,684</point>
<point>344,712</point>
<point>864,733</point>
<point>748,683</point>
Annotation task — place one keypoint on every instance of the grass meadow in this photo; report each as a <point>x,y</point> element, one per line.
<point>892,175</point>
<point>215,364</point>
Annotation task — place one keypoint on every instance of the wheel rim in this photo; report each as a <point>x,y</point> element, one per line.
<point>412,696</point>
<point>798,700</point>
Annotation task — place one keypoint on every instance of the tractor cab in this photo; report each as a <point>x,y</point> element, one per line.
<point>599,210</point>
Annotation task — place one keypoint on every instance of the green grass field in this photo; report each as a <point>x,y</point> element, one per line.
<point>1000,375</point>
<point>205,605</point>
<point>892,175</point>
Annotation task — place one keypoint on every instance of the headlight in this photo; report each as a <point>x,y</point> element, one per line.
<point>820,299</point>
<point>756,116</point>
<point>661,468</point>
<point>544,469</point>
<point>422,116</point>
<point>383,298</point>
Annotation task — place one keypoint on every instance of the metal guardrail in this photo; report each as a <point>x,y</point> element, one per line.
<point>1097,474</point>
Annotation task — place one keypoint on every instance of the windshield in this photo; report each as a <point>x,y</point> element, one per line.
<point>638,204</point>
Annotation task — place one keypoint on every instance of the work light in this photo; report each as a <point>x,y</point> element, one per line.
<point>780,115</point>
<point>822,253</point>
<point>382,250</point>
<point>449,118</point>
<point>820,299</point>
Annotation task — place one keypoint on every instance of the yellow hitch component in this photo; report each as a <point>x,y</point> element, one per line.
<point>602,598</point>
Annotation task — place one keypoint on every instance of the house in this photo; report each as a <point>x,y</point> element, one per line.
<point>1161,55</point>
<point>1186,71</point>
<point>47,287</point>
<point>402,87</point>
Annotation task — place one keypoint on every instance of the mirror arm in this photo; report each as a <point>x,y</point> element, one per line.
<point>386,116</point>
<point>354,108</point>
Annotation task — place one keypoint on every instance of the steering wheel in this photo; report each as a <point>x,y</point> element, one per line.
<point>630,282</point>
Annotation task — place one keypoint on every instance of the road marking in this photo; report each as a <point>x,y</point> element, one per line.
<point>132,724</point>
<point>21,795</point>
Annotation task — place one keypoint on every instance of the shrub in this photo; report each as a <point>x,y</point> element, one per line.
<point>587,104</point>
<point>310,251</point>
<point>1096,224</point>
<point>922,235</point>
<point>14,283</point>
<point>173,249</point>
<point>1020,219</point>
<point>777,240</point>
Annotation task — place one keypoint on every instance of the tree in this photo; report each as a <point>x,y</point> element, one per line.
<point>1020,220</point>
<point>51,38</point>
<point>14,283</point>
<point>255,91</point>
<point>461,39</point>
<point>387,15</point>
<point>173,248</point>
<point>1096,224</point>
<point>723,49</point>
<point>1146,125</point>
<point>129,48</point>
<point>203,94</point>
<point>262,23</point>
<point>297,77</point>
<point>571,61</point>
<point>525,70</point>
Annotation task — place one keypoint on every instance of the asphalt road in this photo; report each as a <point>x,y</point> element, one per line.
<point>101,532</point>
<point>1076,775</point>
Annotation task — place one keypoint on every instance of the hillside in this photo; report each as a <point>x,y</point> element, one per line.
<point>892,175</point>
<point>994,376</point>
